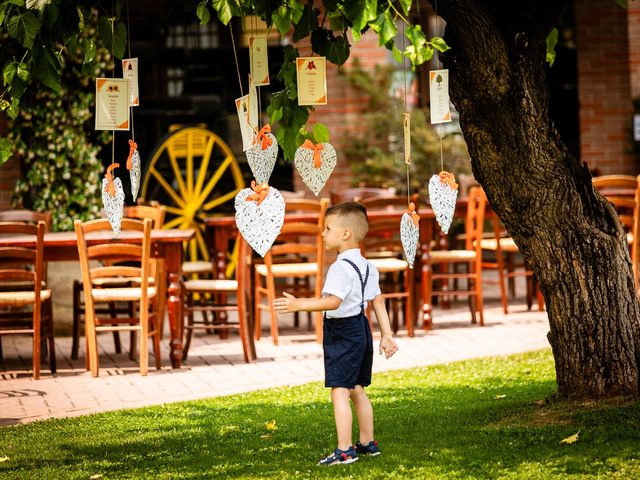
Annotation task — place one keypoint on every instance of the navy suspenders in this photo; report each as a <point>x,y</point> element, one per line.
<point>362,282</point>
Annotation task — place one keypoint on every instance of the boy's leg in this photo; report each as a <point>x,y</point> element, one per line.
<point>343,416</point>
<point>364,412</point>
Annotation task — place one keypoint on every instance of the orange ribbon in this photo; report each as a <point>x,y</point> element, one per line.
<point>111,187</point>
<point>263,137</point>
<point>261,192</point>
<point>133,146</point>
<point>317,149</point>
<point>449,179</point>
<point>414,215</point>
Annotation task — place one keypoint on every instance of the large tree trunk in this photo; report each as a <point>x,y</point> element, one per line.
<point>569,234</point>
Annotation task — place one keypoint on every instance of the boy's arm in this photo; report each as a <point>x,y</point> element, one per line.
<point>290,304</point>
<point>387,343</point>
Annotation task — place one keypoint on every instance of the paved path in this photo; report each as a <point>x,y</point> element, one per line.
<point>215,367</point>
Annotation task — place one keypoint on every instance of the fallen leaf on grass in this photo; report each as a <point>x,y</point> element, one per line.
<point>498,397</point>
<point>271,425</point>
<point>4,459</point>
<point>572,439</point>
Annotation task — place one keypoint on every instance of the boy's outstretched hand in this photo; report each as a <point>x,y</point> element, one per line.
<point>388,345</point>
<point>288,304</point>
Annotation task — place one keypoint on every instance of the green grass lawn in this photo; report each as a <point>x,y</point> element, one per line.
<point>482,419</point>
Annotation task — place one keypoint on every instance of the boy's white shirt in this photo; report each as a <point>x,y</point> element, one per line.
<point>343,282</point>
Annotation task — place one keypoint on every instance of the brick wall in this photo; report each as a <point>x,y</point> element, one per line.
<point>9,174</point>
<point>604,86</point>
<point>344,106</point>
<point>633,25</point>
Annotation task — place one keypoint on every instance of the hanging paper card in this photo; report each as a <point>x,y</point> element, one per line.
<point>439,96</point>
<point>113,198</point>
<point>262,155</point>
<point>312,80</point>
<point>443,191</point>
<point>259,215</point>
<point>258,59</point>
<point>112,104</point>
<point>254,110</point>
<point>130,72</point>
<point>407,137</point>
<point>133,165</point>
<point>246,130</point>
<point>410,233</point>
<point>315,164</point>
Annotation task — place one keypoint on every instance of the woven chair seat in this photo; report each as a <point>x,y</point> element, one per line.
<point>388,264</point>
<point>452,255</point>
<point>289,269</point>
<point>199,266</point>
<point>120,294</point>
<point>506,244</point>
<point>119,281</point>
<point>16,299</point>
<point>17,285</point>
<point>204,285</point>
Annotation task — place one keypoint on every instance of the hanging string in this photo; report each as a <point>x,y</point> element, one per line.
<point>438,67</point>
<point>133,133</point>
<point>404,84</point>
<point>235,55</point>
<point>113,74</point>
<point>254,32</point>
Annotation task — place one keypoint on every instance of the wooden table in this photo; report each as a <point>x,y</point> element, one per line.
<point>165,245</point>
<point>223,230</point>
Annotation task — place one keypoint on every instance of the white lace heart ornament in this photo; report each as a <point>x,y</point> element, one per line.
<point>113,199</point>
<point>133,165</point>
<point>314,163</point>
<point>262,155</point>
<point>410,233</point>
<point>259,215</point>
<point>443,191</point>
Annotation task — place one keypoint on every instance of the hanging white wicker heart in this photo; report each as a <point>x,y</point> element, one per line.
<point>262,155</point>
<point>113,199</point>
<point>133,165</point>
<point>443,192</point>
<point>315,164</point>
<point>410,233</point>
<point>259,216</point>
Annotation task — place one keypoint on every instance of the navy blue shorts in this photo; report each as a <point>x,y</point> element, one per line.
<point>348,351</point>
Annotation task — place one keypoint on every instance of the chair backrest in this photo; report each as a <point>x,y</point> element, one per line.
<point>297,238</point>
<point>359,193</point>
<point>317,209</point>
<point>389,202</point>
<point>616,185</point>
<point>382,239</point>
<point>23,266</point>
<point>155,212</point>
<point>474,222</point>
<point>109,250</point>
<point>28,216</point>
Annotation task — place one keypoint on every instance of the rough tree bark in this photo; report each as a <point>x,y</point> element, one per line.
<point>569,234</point>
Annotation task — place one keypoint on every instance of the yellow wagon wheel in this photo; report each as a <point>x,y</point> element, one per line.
<point>195,175</point>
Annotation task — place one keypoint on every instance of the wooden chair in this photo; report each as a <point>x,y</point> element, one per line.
<point>505,251</point>
<point>470,256</point>
<point>157,214</point>
<point>298,253</point>
<point>383,248</point>
<point>389,202</point>
<point>21,275</point>
<point>615,185</point>
<point>213,295</point>
<point>110,251</point>
<point>359,193</point>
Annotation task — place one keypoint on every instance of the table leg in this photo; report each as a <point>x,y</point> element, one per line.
<point>173,266</point>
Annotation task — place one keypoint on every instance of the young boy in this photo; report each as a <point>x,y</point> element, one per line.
<point>347,343</point>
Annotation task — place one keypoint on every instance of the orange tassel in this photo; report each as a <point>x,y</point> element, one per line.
<point>263,137</point>
<point>317,158</point>
<point>449,179</point>
<point>133,146</point>
<point>261,192</point>
<point>414,215</point>
<point>111,187</point>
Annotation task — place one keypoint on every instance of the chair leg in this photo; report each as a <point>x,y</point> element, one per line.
<point>116,336</point>
<point>479,300</point>
<point>75,335</point>
<point>52,346</point>
<point>156,343</point>
<point>408,305</point>
<point>257,315</point>
<point>92,343</point>
<point>271,296</point>
<point>132,333</point>
<point>144,339</point>
<point>501,282</point>
<point>188,329</point>
<point>37,322</point>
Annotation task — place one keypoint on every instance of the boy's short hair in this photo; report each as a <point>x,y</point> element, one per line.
<point>354,216</point>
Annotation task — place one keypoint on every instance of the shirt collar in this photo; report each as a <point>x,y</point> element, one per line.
<point>351,253</point>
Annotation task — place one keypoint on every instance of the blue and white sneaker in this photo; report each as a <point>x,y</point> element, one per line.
<point>340,457</point>
<point>370,448</point>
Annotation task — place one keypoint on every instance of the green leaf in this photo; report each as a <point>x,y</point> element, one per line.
<point>223,9</point>
<point>282,22</point>
<point>23,72</point>
<point>385,27</point>
<point>3,11</point>
<point>320,133</point>
<point>439,44</point>
<point>24,28</point>
<point>120,40</point>
<point>89,48</point>
<point>9,72</point>
<point>46,68</point>
<point>339,50</point>
<point>396,54</point>
<point>4,105</point>
<point>275,114</point>
<point>406,6</point>
<point>5,150</point>
<point>202,12</point>
<point>14,108</point>
<point>415,35</point>
<point>306,24</point>
<point>552,41</point>
<point>361,12</point>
